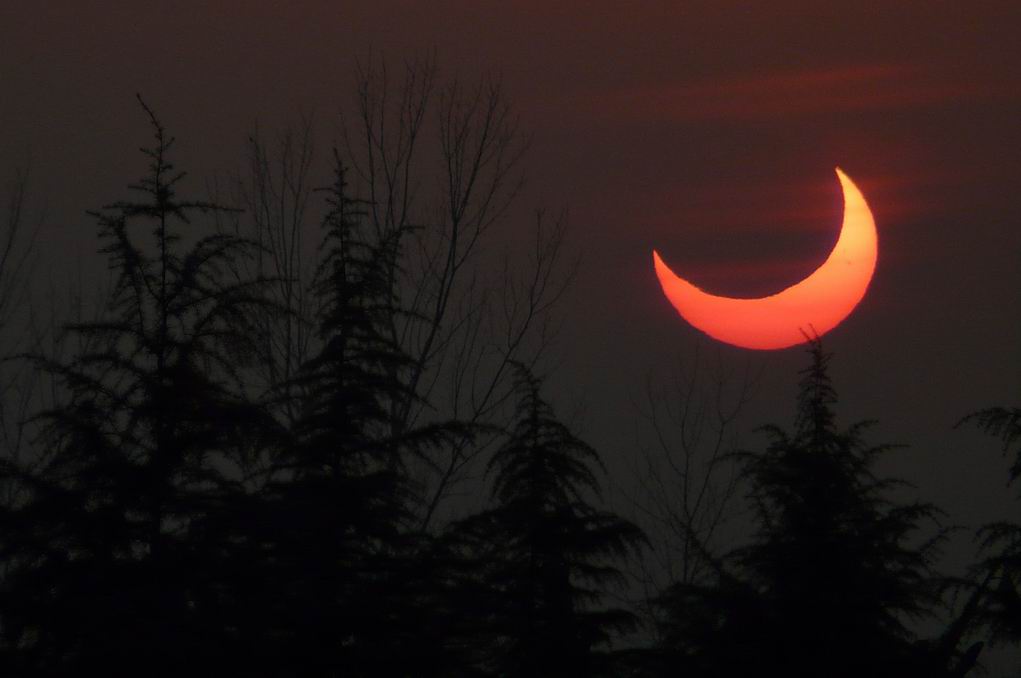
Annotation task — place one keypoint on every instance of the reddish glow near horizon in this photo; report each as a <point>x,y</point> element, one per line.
<point>814,306</point>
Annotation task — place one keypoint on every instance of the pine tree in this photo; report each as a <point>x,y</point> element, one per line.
<point>546,553</point>
<point>835,572</point>
<point>109,565</point>
<point>334,520</point>
<point>999,570</point>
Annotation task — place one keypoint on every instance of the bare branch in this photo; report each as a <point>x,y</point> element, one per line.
<point>686,491</point>
<point>438,166</point>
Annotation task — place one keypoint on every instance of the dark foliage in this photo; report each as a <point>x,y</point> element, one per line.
<point>546,553</point>
<point>999,570</point>
<point>108,565</point>
<point>835,572</point>
<point>345,586</point>
<point>172,524</point>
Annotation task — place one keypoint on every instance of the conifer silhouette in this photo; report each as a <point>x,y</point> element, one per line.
<point>834,574</point>
<point>110,568</point>
<point>335,512</point>
<point>548,551</point>
<point>173,524</point>
<point>999,608</point>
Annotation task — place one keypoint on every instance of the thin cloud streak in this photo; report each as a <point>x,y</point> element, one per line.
<point>782,94</point>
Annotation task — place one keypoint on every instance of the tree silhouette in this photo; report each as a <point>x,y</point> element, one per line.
<point>243,466</point>
<point>339,559</point>
<point>18,385</point>
<point>439,162</point>
<point>1000,568</point>
<point>277,190</point>
<point>174,520</point>
<point>109,569</point>
<point>834,573</point>
<point>546,552</point>
<point>687,486</point>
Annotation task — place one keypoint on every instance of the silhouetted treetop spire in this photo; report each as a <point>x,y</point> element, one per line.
<point>549,552</point>
<point>832,576</point>
<point>816,421</point>
<point>541,457</point>
<point>137,455</point>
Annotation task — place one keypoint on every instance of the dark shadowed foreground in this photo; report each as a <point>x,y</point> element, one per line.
<point>247,463</point>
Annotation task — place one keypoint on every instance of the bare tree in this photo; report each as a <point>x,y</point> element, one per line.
<point>686,490</point>
<point>275,191</point>
<point>439,164</point>
<point>18,386</point>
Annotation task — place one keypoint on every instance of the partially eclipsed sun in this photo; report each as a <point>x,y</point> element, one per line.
<point>813,306</point>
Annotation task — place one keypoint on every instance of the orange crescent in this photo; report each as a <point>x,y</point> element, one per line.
<point>813,306</point>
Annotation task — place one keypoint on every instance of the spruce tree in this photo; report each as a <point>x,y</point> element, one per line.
<point>545,552</point>
<point>999,570</point>
<point>340,565</point>
<point>836,570</point>
<point>109,566</point>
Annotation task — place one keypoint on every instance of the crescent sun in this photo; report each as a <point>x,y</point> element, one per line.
<point>815,305</point>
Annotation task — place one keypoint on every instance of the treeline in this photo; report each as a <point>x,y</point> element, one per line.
<point>253,468</point>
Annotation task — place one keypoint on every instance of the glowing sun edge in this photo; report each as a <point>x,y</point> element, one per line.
<point>815,305</point>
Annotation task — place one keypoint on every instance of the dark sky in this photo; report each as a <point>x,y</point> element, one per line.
<point>708,130</point>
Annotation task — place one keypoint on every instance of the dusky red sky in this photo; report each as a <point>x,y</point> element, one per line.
<point>708,130</point>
